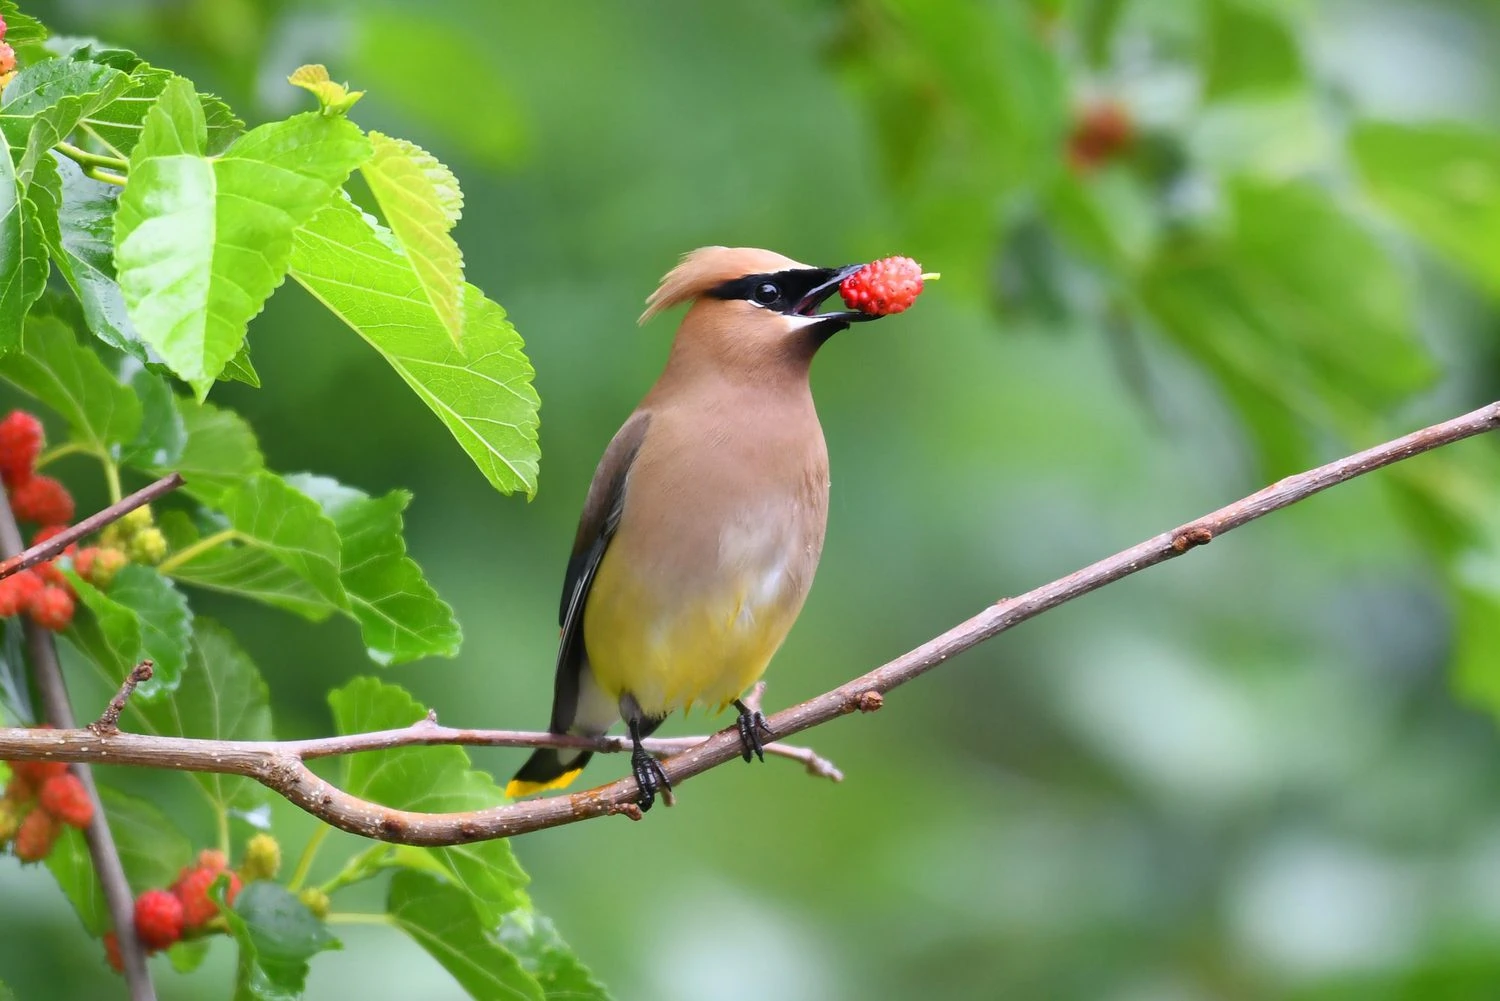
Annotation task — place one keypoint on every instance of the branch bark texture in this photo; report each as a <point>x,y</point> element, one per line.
<point>282,767</point>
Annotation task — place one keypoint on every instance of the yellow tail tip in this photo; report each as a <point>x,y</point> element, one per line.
<point>518,788</point>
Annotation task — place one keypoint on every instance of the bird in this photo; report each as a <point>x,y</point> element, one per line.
<point>705,519</point>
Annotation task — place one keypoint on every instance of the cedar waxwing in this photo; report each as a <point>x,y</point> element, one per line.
<point>705,518</point>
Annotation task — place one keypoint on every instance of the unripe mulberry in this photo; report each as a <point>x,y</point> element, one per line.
<point>148,546</point>
<point>262,858</point>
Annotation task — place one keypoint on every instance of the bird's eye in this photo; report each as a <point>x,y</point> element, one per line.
<point>767,293</point>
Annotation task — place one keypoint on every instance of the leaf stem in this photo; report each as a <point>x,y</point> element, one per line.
<point>111,478</point>
<point>62,451</point>
<point>84,158</point>
<point>105,176</point>
<point>309,852</point>
<point>360,867</point>
<point>203,545</point>
<point>357,918</point>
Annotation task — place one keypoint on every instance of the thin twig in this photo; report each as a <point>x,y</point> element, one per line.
<point>281,766</point>
<point>109,720</point>
<point>44,551</point>
<point>47,673</point>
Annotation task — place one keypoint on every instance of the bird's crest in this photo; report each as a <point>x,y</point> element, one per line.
<point>708,267</point>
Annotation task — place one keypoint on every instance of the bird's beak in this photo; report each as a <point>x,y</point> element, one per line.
<point>808,304</point>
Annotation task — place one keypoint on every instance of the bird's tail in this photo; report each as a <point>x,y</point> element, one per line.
<point>547,768</point>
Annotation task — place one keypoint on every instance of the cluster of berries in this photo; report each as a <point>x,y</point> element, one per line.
<point>40,798</point>
<point>7,58</point>
<point>185,909</point>
<point>880,288</point>
<point>1101,131</point>
<point>43,592</point>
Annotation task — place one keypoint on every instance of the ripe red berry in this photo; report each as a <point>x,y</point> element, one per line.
<point>20,444</point>
<point>36,835</point>
<point>883,287</point>
<point>158,919</point>
<point>65,798</point>
<point>191,888</point>
<point>1100,131</point>
<point>7,58</point>
<point>52,609</point>
<point>112,952</point>
<point>42,500</point>
<point>37,773</point>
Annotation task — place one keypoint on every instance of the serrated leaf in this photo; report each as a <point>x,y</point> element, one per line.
<point>222,696</point>
<point>274,523</point>
<point>400,615</point>
<point>201,242</point>
<point>239,368</point>
<point>23,253</point>
<point>1443,182</point>
<point>20,28</point>
<point>152,852</point>
<point>277,935</point>
<point>220,453</point>
<point>534,940</point>
<point>163,433</point>
<point>481,391</point>
<point>333,98</point>
<point>143,616</point>
<point>434,780</point>
<point>72,380</point>
<point>441,919</point>
<point>77,216</point>
<point>46,101</point>
<point>116,126</point>
<point>421,201</point>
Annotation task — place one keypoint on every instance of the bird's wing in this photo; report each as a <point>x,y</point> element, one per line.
<point>596,526</point>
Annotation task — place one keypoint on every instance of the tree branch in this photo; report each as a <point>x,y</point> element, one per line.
<point>45,551</point>
<point>47,673</point>
<point>281,766</point>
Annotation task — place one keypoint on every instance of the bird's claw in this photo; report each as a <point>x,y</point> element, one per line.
<point>650,776</point>
<point>752,723</point>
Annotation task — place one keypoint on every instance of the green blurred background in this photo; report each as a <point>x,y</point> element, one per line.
<point>1246,775</point>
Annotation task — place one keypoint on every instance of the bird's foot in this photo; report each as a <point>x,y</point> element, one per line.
<point>752,723</point>
<point>651,777</point>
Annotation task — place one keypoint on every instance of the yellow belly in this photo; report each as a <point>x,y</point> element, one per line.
<point>705,647</point>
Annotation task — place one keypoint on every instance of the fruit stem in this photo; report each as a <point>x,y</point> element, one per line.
<point>203,545</point>
<point>931,276</point>
<point>309,852</point>
<point>358,918</point>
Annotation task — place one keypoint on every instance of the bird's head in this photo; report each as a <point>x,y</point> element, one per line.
<point>751,305</point>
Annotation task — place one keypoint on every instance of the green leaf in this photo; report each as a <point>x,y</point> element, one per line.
<point>481,391</point>
<point>1442,181</point>
<point>220,453</point>
<point>400,615</point>
<point>1298,311</point>
<point>20,28</point>
<point>277,935</point>
<point>163,433</point>
<point>77,216</point>
<point>117,126</point>
<point>152,852</point>
<point>533,940</point>
<point>222,696</point>
<point>421,201</point>
<point>441,919</point>
<point>201,242</point>
<point>333,98</point>
<point>23,254</point>
<point>1251,48</point>
<point>73,381</point>
<point>434,780</point>
<point>275,525</point>
<point>239,368</point>
<point>46,101</point>
<point>142,617</point>
<point>186,956</point>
